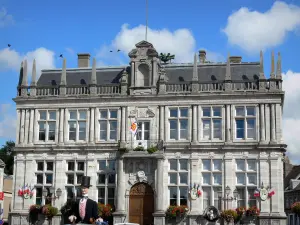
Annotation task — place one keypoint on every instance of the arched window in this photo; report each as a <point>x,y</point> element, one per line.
<point>143,78</point>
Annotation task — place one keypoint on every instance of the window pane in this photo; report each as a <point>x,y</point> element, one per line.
<point>43,115</point>
<point>70,193</point>
<point>239,111</point>
<point>217,111</point>
<point>79,178</point>
<point>240,164</point>
<point>73,115</point>
<point>217,202</point>
<point>240,128</point>
<point>183,195</point>
<point>111,164</point>
<point>217,178</point>
<point>206,129</point>
<point>70,178</point>
<point>102,165</point>
<point>82,130</point>
<point>183,112</point>
<point>173,164</point>
<point>82,115</point>
<point>183,163</point>
<point>173,195</point>
<point>42,131</point>
<point>52,115</point>
<point>251,178</point>
<point>217,128</point>
<point>101,193</point>
<point>183,177</point>
<point>113,130</point>
<point>206,112</point>
<point>240,178</point>
<point>251,128</point>
<point>183,129</point>
<point>40,166</point>
<point>250,111</point>
<point>206,164</point>
<point>103,130</point>
<point>80,166</point>
<point>72,131</point>
<point>173,178</point>
<point>39,178</point>
<point>217,164</point>
<point>103,114</point>
<point>113,114</point>
<point>173,113</point>
<point>251,164</point>
<point>173,129</point>
<point>51,134</point>
<point>101,178</point>
<point>49,166</point>
<point>241,197</point>
<point>206,197</point>
<point>71,166</point>
<point>206,178</point>
<point>110,192</point>
<point>111,178</point>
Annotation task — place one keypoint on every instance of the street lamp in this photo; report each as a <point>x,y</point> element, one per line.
<point>226,198</point>
<point>51,191</point>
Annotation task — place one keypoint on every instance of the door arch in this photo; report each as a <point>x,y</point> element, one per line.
<point>141,204</point>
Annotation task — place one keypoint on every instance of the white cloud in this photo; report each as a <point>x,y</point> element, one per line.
<point>5,19</point>
<point>180,42</point>
<point>7,121</point>
<point>254,31</point>
<point>10,59</point>
<point>291,115</point>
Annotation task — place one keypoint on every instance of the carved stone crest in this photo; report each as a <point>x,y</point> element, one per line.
<point>141,176</point>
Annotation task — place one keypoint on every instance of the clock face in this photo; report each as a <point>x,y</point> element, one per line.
<point>263,194</point>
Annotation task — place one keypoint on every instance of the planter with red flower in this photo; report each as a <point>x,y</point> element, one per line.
<point>251,215</point>
<point>105,212</point>
<point>175,212</point>
<point>296,208</point>
<point>34,211</point>
<point>49,211</point>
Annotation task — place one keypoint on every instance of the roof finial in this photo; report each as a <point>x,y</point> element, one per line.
<point>261,73</point>
<point>278,69</point>
<point>24,80</point>
<point>63,80</point>
<point>272,66</point>
<point>33,76</point>
<point>94,74</point>
<point>228,70</point>
<point>195,69</point>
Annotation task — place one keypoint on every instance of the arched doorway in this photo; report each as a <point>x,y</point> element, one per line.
<point>141,204</point>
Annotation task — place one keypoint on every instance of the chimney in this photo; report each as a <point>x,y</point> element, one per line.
<point>202,56</point>
<point>83,60</point>
<point>235,59</point>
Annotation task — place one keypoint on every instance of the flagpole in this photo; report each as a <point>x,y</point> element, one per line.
<point>146,20</point>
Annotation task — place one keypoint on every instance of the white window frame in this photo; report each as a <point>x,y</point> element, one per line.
<point>178,118</point>
<point>106,185</point>
<point>47,120</point>
<point>211,118</point>
<point>143,130</point>
<point>44,172</point>
<point>247,186</point>
<point>178,185</point>
<point>212,187</point>
<point>108,120</point>
<point>245,117</point>
<point>77,120</point>
<point>75,172</point>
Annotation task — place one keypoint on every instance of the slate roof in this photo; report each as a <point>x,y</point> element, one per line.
<point>292,175</point>
<point>175,73</point>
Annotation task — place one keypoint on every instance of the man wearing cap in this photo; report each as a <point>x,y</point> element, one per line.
<point>85,210</point>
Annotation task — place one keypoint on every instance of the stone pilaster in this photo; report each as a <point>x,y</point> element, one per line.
<point>194,136</point>
<point>159,214</point>
<point>166,122</point>
<point>92,126</point>
<point>119,125</point>
<point>18,126</point>
<point>267,116</point>
<point>87,138</point>
<point>199,124</point>
<point>29,178</point>
<point>61,125</point>
<point>229,174</point>
<point>31,119</point>
<point>161,123</point>
<point>66,130</point>
<point>35,126</point>
<point>92,169</point>
<point>26,128</point>
<point>278,121</point>
<point>19,180</point>
<point>22,126</point>
<point>195,174</point>
<point>57,127</point>
<point>264,173</point>
<point>60,164</point>
<point>123,126</point>
<point>190,120</point>
<point>273,124</point>
<point>228,121</point>
<point>97,126</point>
<point>262,123</point>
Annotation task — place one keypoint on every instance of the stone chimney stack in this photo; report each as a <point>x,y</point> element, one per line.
<point>202,56</point>
<point>235,59</point>
<point>83,60</point>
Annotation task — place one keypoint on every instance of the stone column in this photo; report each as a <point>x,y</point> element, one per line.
<point>194,139</point>
<point>30,138</point>
<point>119,125</point>
<point>276,183</point>
<point>195,174</point>
<point>273,124</point>
<point>60,180</point>
<point>19,180</point>
<point>123,121</point>
<point>159,215</point>
<point>278,122</point>
<point>199,123</point>
<point>26,129</point>
<point>35,126</point>
<point>120,213</point>
<point>264,172</point>
<point>57,127</point>
<point>92,169</point>
<point>228,120</point>
<point>18,126</point>
<point>166,121</point>
<point>229,174</point>
<point>66,130</point>
<point>190,118</point>
<point>97,126</point>
<point>262,123</point>
<point>267,116</point>
<point>87,138</point>
<point>132,74</point>
<point>61,126</point>
<point>161,123</point>
<point>22,126</point>
<point>30,176</point>
<point>92,126</point>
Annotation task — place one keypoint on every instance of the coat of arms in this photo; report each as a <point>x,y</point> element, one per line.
<point>264,192</point>
<point>26,191</point>
<point>195,191</point>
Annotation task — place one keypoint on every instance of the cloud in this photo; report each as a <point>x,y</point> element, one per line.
<point>70,51</point>
<point>180,42</point>
<point>7,121</point>
<point>291,114</point>
<point>10,59</point>
<point>254,31</point>
<point>5,19</point>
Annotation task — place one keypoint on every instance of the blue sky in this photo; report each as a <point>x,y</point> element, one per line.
<point>45,29</point>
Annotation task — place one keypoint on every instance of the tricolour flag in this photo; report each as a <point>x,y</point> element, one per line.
<point>256,193</point>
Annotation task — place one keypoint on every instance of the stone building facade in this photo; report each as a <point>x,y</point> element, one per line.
<point>213,125</point>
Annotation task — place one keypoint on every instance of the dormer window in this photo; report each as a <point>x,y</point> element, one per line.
<point>82,82</point>
<point>143,78</point>
<point>53,83</point>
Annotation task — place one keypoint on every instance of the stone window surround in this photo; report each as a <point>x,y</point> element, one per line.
<point>107,185</point>
<point>246,187</point>
<point>37,119</point>
<point>77,120</point>
<point>213,187</point>
<point>44,172</point>
<point>178,179</point>
<point>75,172</point>
<point>233,121</point>
<point>108,119</point>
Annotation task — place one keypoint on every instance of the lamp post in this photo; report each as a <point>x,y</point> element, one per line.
<point>226,197</point>
<point>51,191</point>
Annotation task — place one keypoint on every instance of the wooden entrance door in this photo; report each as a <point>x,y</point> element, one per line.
<point>141,204</point>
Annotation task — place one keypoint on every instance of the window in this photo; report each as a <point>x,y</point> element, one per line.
<point>245,120</point>
<point>108,122</point>
<point>178,181</point>
<point>44,179</point>
<point>106,181</point>
<point>246,181</point>
<point>212,123</point>
<point>211,182</point>
<point>178,123</point>
<point>77,125</point>
<point>75,172</point>
<point>47,125</point>
<point>143,131</point>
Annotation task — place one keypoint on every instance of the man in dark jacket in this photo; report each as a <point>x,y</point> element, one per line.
<point>85,210</point>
